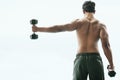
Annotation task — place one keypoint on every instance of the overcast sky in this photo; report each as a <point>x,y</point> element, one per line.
<point>51,56</point>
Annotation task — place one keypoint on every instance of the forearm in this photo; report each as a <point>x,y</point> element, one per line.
<point>51,29</point>
<point>108,54</point>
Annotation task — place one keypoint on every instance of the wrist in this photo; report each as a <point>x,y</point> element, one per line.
<point>110,67</point>
<point>37,29</point>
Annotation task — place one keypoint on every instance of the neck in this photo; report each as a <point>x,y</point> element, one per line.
<point>89,16</point>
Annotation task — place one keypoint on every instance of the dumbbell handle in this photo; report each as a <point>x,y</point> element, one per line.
<point>109,68</point>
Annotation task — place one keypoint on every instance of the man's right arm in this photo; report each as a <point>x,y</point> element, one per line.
<point>106,46</point>
<point>56,28</point>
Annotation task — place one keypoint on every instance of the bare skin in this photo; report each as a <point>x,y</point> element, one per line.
<point>89,31</point>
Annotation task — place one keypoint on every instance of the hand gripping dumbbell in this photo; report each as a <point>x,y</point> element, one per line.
<point>34,22</point>
<point>111,72</point>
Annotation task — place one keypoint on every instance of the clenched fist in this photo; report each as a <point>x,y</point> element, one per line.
<point>34,28</point>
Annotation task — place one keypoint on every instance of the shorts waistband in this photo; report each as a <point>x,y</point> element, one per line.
<point>88,54</point>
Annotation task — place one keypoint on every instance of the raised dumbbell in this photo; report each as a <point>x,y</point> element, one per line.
<point>111,73</point>
<point>34,22</point>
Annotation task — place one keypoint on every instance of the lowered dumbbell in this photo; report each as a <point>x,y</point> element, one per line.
<point>34,22</point>
<point>111,73</point>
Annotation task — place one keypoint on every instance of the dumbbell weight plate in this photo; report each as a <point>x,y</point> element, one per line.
<point>34,36</point>
<point>111,73</point>
<point>33,21</point>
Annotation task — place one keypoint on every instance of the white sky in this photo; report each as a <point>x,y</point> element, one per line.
<point>51,56</point>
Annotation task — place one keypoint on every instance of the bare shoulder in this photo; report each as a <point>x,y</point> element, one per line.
<point>102,26</point>
<point>103,30</point>
<point>76,22</point>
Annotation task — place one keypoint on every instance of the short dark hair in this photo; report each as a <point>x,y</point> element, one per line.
<point>89,6</point>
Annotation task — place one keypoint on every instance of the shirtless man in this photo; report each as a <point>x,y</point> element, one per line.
<point>89,30</point>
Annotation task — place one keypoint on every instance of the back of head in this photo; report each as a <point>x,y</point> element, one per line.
<point>89,6</point>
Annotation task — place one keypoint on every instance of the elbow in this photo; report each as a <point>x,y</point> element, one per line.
<point>106,48</point>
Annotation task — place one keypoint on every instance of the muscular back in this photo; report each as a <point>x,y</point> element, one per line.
<point>88,34</point>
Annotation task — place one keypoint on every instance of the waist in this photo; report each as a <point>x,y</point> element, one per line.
<point>87,54</point>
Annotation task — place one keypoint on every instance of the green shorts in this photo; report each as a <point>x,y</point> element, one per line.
<point>88,64</point>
